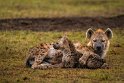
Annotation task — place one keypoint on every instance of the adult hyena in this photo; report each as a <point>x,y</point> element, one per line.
<point>96,49</point>
<point>99,41</point>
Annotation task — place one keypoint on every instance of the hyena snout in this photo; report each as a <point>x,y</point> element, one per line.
<point>99,47</point>
<point>56,46</point>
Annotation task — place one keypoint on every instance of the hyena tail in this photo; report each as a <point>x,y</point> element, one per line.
<point>29,61</point>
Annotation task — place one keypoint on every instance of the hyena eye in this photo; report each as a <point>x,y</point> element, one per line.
<point>57,43</point>
<point>103,40</point>
<point>94,40</point>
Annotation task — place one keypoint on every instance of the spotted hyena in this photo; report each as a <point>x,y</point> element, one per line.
<point>96,49</point>
<point>93,55</point>
<point>43,56</point>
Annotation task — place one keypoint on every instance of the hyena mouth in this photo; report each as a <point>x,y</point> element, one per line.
<point>98,49</point>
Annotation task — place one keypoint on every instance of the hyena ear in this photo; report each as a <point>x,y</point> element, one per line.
<point>64,38</point>
<point>65,34</point>
<point>109,33</point>
<point>89,33</point>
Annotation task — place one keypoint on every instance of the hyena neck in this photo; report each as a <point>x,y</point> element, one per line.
<point>99,53</point>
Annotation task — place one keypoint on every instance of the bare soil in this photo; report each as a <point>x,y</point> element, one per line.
<point>61,24</point>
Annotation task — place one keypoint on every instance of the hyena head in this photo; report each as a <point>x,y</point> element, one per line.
<point>99,40</point>
<point>64,43</point>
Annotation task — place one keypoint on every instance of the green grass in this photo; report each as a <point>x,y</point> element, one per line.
<point>15,44</point>
<point>59,8</point>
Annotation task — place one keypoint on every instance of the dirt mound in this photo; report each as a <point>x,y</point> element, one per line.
<point>61,24</point>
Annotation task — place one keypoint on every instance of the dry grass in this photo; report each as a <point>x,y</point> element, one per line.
<point>59,8</point>
<point>15,44</point>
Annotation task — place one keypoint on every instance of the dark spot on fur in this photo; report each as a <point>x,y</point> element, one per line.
<point>25,78</point>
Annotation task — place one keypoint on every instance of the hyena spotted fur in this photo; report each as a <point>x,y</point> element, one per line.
<point>61,54</point>
<point>43,56</point>
<point>70,55</point>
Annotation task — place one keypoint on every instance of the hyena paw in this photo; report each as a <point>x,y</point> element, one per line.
<point>105,66</point>
<point>41,66</point>
<point>82,62</point>
<point>33,66</point>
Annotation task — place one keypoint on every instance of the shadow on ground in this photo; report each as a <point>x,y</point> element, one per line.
<point>61,24</point>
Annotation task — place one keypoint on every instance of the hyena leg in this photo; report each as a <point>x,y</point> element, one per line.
<point>43,65</point>
<point>59,65</point>
<point>38,61</point>
<point>84,58</point>
<point>105,66</point>
<point>29,61</point>
<point>46,65</point>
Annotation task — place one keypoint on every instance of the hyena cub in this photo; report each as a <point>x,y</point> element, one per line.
<point>43,56</point>
<point>70,56</point>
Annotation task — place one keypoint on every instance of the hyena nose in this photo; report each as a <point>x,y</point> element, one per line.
<point>55,46</point>
<point>99,48</point>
